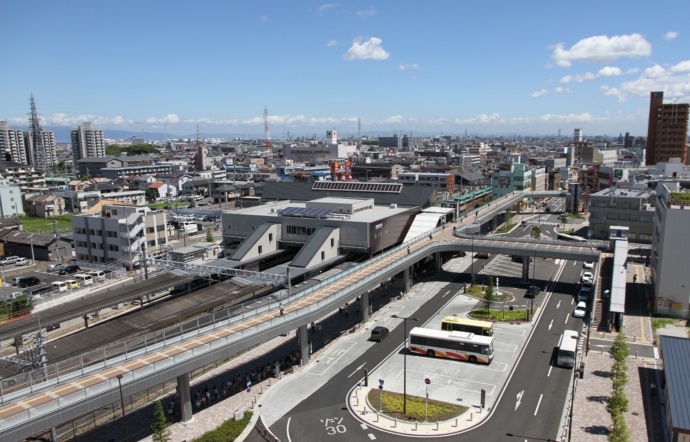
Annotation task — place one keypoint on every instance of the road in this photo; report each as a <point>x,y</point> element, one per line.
<point>530,406</point>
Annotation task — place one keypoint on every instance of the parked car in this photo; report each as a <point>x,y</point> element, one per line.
<point>518,258</point>
<point>28,281</point>
<point>55,267</point>
<point>379,333</point>
<point>72,283</point>
<point>483,255</point>
<point>8,260</point>
<point>580,310</point>
<point>70,269</point>
<point>588,265</point>
<point>532,291</point>
<point>21,262</point>
<point>584,294</point>
<point>548,209</point>
<point>587,276</point>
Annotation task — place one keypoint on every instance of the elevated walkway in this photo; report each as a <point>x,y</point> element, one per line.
<point>426,221</point>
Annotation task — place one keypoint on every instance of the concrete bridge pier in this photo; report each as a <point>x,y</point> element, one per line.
<point>406,279</point>
<point>437,262</point>
<point>185,398</point>
<point>303,341</point>
<point>525,269</point>
<point>494,223</point>
<point>364,306</point>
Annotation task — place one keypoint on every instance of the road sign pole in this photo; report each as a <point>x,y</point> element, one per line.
<point>426,417</point>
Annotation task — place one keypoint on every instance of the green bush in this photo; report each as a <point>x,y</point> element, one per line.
<point>499,315</point>
<point>227,431</point>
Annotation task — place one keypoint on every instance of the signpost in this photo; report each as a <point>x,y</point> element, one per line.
<point>380,395</point>
<point>427,381</point>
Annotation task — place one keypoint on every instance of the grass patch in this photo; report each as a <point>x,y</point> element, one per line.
<point>506,229</point>
<point>416,406</point>
<point>499,315</point>
<point>227,431</point>
<point>63,223</point>
<point>478,291</point>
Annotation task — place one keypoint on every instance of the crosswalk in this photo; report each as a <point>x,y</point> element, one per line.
<point>543,223</point>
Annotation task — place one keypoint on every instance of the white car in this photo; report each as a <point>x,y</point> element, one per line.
<point>580,310</point>
<point>588,265</point>
<point>587,276</point>
<point>21,262</point>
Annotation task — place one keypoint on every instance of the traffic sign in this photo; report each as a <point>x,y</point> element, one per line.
<point>380,381</point>
<point>427,381</point>
<point>380,387</point>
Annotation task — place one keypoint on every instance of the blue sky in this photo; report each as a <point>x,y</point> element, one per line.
<point>438,67</point>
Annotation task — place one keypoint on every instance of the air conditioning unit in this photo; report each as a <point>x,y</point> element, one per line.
<point>394,206</point>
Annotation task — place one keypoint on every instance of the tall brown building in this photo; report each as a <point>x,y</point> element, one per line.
<point>667,133</point>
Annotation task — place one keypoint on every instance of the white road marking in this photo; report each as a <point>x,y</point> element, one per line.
<point>357,370</point>
<point>566,318</point>
<point>518,398</point>
<point>364,426</point>
<point>371,436</point>
<point>559,304</point>
<point>287,430</point>
<point>551,324</point>
<point>550,368</point>
<point>538,403</point>
<point>445,294</point>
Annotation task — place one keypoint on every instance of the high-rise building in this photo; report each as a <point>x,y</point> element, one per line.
<point>87,142</point>
<point>667,131</point>
<point>12,143</point>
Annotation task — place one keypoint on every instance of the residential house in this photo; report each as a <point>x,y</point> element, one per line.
<point>44,205</point>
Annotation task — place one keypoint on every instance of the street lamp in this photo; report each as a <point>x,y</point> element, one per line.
<point>404,358</point>
<point>122,401</point>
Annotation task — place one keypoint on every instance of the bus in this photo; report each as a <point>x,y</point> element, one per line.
<point>453,323</point>
<point>462,346</point>
<point>567,347</point>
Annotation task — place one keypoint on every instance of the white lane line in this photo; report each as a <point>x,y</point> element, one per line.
<point>364,426</point>
<point>538,403</point>
<point>371,436</point>
<point>550,324</point>
<point>566,318</point>
<point>550,368</point>
<point>287,430</point>
<point>559,304</point>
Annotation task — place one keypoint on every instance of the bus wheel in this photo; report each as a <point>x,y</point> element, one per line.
<point>430,353</point>
<point>473,359</point>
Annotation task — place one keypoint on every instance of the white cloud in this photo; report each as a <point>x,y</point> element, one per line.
<point>326,7</point>
<point>569,118</point>
<point>609,71</point>
<point>481,119</point>
<point>366,12</point>
<point>404,67</point>
<point>602,48</point>
<point>563,90</point>
<point>673,82</point>
<point>670,36</point>
<point>369,49</point>
<point>395,119</point>
<point>332,43</point>
<point>168,119</point>
<point>683,66</point>
<point>539,93</point>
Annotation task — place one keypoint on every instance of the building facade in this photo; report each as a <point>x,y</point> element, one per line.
<point>12,144</point>
<point>670,247</point>
<point>87,142</point>
<point>119,233</point>
<point>510,177</point>
<point>41,149</point>
<point>632,208</point>
<point>10,199</point>
<point>667,131</point>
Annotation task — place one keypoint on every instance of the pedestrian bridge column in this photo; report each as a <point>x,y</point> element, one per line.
<point>185,398</point>
<point>525,269</point>
<point>494,223</point>
<point>406,279</point>
<point>303,340</point>
<point>364,306</point>
<point>437,261</point>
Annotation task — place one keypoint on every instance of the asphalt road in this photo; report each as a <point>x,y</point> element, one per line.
<point>530,407</point>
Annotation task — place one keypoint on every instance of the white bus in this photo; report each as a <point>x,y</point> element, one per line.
<point>188,227</point>
<point>462,346</point>
<point>567,347</point>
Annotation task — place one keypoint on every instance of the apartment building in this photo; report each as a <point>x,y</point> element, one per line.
<point>667,131</point>
<point>10,199</point>
<point>87,142</point>
<point>119,233</point>
<point>510,177</point>
<point>23,175</point>
<point>12,144</point>
<point>441,181</point>
<point>632,208</point>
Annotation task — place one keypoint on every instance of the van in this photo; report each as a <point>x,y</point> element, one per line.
<point>83,279</point>
<point>7,260</point>
<point>28,281</point>
<point>98,275</point>
<point>59,286</point>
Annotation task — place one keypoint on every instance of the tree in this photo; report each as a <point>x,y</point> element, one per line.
<point>536,232</point>
<point>209,236</point>
<point>113,150</point>
<point>489,294</point>
<point>564,218</point>
<point>508,217</point>
<point>160,425</point>
<point>23,302</point>
<point>150,194</point>
<point>138,149</point>
<point>618,402</point>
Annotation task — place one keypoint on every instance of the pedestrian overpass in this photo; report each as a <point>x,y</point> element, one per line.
<point>33,402</point>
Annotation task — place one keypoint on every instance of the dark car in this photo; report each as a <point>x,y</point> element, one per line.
<point>548,209</point>
<point>532,291</point>
<point>28,281</point>
<point>379,333</point>
<point>69,270</point>
<point>517,258</point>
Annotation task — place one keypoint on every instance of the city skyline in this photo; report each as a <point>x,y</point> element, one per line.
<point>443,67</point>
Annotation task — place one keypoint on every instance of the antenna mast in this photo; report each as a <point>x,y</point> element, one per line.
<point>267,135</point>
<point>37,150</point>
